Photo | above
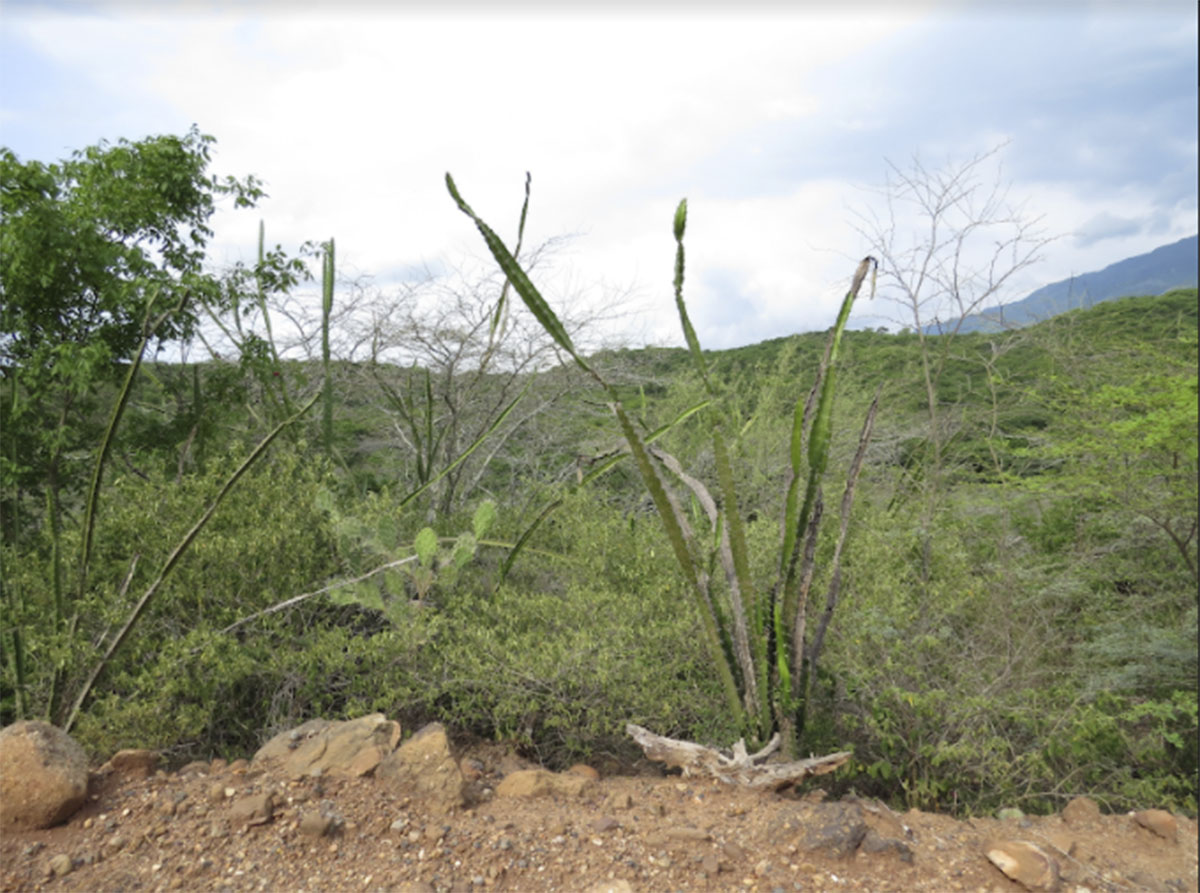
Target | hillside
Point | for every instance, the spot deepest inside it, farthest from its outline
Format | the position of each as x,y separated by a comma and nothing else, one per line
1013,624
1158,271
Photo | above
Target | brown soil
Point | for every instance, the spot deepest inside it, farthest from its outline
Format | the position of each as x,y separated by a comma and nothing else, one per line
177,832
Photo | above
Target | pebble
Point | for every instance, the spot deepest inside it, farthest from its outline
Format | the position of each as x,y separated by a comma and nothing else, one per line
59,866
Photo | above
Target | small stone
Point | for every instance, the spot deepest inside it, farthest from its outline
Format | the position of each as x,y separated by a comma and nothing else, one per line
874,842
1026,863
1010,814
710,864
314,824
688,834
584,770
614,886
734,852
605,823
60,865
1159,821
620,801
256,809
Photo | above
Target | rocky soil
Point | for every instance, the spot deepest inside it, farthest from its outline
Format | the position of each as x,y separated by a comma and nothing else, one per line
247,827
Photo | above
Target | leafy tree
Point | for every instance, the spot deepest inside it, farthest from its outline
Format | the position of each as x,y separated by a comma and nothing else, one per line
101,255
97,252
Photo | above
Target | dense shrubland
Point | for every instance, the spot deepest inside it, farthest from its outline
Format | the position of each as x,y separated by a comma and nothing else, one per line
1016,623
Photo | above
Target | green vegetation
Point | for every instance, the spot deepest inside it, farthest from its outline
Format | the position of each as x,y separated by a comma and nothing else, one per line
1015,617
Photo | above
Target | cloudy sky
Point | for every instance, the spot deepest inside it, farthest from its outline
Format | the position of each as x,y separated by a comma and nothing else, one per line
776,123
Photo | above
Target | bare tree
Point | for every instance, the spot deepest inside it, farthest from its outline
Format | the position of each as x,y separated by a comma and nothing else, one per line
449,361
950,243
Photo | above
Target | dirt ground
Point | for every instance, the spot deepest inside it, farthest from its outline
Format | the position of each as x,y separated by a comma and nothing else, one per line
184,831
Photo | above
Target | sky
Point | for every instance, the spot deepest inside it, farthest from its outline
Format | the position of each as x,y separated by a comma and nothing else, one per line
778,123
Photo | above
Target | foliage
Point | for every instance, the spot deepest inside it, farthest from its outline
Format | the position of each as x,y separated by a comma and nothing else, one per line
1027,636
756,635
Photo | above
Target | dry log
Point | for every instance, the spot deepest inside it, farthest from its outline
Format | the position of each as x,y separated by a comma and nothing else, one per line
732,767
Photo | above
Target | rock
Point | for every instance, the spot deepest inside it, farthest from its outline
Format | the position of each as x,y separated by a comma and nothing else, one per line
425,762
60,865
256,809
132,764
585,771
352,748
1148,882
541,783
1159,821
1010,814
835,827
616,886
1026,863
315,824
605,823
43,776
1081,812
874,842
620,801
687,833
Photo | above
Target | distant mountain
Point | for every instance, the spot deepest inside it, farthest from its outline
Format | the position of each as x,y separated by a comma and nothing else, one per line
1158,271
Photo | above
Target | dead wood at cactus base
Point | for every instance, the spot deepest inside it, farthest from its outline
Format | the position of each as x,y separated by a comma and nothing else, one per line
733,767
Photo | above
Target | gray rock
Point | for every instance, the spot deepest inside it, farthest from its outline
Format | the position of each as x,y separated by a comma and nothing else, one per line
316,824
874,842
43,776
837,828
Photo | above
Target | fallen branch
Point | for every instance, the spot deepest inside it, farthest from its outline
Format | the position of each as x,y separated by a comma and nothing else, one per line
736,767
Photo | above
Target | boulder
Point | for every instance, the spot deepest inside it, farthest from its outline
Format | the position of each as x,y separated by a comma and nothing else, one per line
425,765
1159,821
131,764
43,776
1026,863
542,782
835,828
321,747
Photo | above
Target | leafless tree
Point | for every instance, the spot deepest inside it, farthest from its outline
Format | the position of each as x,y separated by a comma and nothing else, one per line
950,243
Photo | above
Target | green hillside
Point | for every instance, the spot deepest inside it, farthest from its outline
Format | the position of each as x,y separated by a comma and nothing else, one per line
1016,618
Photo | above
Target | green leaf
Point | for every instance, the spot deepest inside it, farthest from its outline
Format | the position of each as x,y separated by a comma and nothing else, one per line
463,550
485,514
425,545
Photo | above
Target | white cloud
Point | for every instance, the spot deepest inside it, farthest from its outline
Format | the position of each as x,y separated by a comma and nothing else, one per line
765,120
